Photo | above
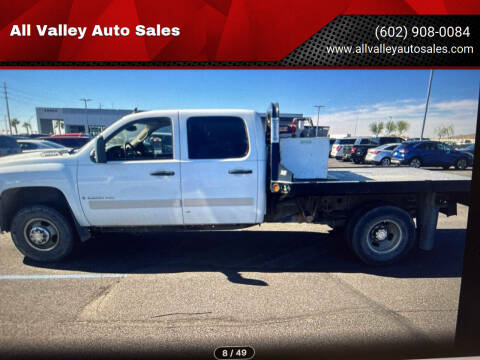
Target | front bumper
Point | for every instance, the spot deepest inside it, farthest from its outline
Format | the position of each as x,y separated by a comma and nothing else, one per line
395,161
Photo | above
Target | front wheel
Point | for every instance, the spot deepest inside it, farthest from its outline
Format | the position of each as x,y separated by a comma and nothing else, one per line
42,233
461,164
383,235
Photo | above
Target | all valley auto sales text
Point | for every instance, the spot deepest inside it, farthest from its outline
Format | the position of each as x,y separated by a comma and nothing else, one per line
79,32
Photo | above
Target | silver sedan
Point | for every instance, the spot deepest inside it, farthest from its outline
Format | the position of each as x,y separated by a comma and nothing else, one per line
380,155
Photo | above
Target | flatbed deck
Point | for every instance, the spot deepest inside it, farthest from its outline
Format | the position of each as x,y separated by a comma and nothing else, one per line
371,180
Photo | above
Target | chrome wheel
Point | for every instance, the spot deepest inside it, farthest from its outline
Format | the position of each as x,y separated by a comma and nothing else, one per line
462,164
385,162
41,234
384,237
416,163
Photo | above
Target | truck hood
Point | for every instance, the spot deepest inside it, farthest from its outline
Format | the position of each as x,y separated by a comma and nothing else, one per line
43,157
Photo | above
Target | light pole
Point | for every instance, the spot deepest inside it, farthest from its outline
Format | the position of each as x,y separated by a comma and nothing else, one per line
318,117
8,109
86,115
426,103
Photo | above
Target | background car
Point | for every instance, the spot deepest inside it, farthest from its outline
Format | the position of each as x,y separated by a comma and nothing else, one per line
71,140
332,141
338,147
359,149
8,146
380,155
470,148
430,153
33,145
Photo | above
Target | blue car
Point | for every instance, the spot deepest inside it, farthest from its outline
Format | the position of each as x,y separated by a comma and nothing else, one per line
430,153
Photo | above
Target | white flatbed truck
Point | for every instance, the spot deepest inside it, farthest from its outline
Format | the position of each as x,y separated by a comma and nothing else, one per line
212,169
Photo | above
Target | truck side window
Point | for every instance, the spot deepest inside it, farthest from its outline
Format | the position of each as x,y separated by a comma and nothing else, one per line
144,139
216,137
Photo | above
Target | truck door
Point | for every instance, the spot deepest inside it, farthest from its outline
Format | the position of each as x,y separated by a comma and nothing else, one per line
219,168
140,182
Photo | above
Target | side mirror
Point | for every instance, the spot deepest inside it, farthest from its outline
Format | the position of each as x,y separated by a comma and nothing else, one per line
100,154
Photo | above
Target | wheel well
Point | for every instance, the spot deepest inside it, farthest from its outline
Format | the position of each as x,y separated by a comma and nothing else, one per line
13,200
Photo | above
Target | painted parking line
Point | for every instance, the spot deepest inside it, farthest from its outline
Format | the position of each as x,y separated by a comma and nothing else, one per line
61,276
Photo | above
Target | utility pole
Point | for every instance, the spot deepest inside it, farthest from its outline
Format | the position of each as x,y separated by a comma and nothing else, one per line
426,103
318,117
86,114
8,109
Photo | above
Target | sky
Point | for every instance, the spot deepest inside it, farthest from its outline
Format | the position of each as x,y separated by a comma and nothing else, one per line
352,98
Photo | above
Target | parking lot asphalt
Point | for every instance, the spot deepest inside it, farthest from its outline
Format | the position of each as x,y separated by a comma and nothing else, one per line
284,288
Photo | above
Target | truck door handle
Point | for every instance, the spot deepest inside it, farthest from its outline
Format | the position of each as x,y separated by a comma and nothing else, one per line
162,173
240,171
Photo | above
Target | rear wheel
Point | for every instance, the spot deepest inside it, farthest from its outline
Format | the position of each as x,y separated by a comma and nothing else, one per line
385,161
42,233
415,163
383,235
461,164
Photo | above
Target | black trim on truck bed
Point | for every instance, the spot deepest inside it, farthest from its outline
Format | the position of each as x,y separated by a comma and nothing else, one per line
375,181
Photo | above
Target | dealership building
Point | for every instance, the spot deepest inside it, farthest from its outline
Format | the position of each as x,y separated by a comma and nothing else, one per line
93,121
76,120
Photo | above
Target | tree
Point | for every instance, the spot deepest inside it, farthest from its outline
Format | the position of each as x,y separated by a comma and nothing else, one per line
58,124
440,131
390,127
444,131
449,131
14,122
377,128
402,126
27,127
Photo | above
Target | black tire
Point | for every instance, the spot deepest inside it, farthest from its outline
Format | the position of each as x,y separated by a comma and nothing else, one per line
461,164
392,222
415,162
353,218
356,161
385,161
35,224
446,167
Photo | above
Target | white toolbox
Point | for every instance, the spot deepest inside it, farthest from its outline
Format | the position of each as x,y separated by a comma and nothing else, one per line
305,157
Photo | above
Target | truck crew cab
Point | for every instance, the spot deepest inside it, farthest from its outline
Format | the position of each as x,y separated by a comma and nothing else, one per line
218,169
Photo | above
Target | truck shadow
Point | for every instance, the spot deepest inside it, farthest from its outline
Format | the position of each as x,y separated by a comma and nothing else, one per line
236,252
